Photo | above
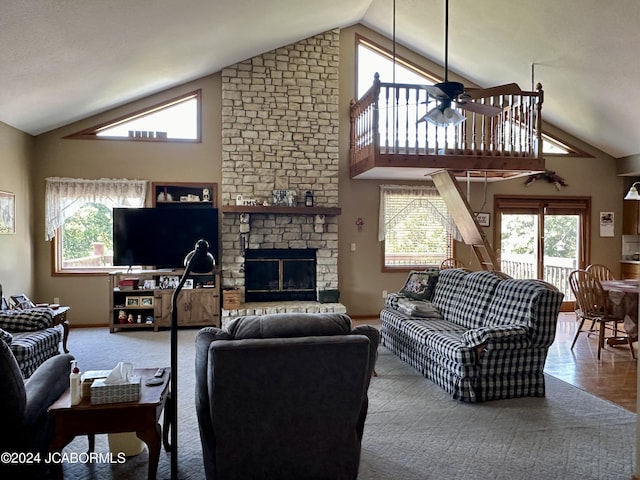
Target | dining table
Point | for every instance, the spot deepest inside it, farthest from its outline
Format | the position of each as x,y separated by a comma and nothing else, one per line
622,302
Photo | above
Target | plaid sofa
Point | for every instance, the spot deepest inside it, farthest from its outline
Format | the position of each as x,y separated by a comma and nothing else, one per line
31,337
482,338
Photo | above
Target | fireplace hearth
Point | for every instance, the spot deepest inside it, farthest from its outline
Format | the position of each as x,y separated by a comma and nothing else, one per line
280,274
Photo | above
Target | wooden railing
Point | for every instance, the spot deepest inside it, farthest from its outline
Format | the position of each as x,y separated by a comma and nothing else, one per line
387,121
554,274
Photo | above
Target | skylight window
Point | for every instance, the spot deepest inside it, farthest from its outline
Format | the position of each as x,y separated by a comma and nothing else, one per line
175,120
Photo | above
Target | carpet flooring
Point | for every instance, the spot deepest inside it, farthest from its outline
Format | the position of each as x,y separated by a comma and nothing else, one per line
413,430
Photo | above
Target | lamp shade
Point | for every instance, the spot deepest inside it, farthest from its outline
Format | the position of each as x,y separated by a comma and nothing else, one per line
633,194
444,116
200,258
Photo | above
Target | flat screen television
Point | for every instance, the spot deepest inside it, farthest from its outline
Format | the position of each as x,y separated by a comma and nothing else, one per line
161,237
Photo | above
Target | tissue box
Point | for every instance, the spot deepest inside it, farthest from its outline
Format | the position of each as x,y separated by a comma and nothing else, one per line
87,380
116,393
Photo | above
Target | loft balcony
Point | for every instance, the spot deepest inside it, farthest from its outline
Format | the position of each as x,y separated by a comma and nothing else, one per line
389,142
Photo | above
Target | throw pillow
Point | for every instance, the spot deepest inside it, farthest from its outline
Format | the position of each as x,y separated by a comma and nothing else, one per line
420,284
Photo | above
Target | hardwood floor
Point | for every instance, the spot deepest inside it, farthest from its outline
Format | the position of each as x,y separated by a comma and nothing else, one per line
613,377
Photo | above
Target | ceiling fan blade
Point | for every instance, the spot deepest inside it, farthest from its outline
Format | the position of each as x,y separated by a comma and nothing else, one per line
506,89
481,108
435,91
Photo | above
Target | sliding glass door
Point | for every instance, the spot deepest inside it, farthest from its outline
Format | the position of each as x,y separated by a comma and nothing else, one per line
543,238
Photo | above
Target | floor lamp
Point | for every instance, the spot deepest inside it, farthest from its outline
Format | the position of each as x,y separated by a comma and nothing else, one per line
198,260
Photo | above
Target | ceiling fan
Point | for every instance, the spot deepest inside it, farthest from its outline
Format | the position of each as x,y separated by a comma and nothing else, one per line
446,93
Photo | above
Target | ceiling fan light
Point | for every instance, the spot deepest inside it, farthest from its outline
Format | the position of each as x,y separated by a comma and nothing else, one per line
444,117
435,117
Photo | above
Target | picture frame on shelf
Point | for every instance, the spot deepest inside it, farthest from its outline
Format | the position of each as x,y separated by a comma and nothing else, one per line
188,284
149,285
168,281
22,302
285,198
132,301
146,301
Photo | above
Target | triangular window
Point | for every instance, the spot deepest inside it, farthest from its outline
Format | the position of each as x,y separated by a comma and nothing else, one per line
554,146
176,120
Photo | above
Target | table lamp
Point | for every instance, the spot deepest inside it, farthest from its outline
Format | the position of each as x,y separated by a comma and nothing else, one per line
198,260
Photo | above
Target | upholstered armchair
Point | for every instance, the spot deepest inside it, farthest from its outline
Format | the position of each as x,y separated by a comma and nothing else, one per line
283,396
27,426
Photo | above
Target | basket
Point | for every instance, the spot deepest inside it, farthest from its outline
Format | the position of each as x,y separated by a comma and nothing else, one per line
231,299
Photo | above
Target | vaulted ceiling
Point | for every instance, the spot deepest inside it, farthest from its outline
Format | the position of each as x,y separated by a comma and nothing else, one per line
63,60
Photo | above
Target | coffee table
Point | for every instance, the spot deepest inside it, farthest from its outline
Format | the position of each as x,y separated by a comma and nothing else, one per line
140,417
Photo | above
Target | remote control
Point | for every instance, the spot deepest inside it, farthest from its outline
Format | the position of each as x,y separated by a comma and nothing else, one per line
159,373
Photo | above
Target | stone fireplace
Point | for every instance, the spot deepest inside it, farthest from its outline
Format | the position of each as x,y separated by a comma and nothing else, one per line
280,131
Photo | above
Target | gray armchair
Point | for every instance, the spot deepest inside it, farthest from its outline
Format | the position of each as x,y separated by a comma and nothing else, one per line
27,426
283,396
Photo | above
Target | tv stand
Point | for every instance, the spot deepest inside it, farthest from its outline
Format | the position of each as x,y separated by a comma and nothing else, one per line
148,306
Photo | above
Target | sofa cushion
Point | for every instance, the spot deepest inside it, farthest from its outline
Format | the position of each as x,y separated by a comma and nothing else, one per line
448,290
28,320
420,285
477,291
532,304
443,338
6,336
287,325
31,349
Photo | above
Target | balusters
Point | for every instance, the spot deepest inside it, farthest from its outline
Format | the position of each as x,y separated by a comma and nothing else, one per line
386,120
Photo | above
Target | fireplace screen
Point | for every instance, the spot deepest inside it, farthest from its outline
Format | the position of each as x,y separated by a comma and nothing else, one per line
279,274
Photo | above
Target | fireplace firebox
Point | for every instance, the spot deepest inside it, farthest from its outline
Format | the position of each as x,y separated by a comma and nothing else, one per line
280,274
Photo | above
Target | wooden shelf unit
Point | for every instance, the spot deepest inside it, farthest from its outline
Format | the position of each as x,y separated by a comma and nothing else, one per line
174,192
196,306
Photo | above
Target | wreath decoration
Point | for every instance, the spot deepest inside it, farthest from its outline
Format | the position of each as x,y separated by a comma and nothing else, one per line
548,175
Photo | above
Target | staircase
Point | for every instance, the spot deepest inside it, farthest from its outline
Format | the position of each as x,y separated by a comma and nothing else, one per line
465,220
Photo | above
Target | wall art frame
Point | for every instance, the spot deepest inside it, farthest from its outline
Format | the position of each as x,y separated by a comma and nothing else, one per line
7,213
484,219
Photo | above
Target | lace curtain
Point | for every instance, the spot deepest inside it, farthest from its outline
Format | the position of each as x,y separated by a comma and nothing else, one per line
422,194
65,196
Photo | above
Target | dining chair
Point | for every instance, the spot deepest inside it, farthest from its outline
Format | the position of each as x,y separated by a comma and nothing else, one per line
601,272
591,305
451,263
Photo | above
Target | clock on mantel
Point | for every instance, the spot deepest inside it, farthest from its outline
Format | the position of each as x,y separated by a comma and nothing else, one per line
281,210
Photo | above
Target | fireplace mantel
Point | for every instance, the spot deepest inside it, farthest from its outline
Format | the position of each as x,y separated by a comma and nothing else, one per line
282,210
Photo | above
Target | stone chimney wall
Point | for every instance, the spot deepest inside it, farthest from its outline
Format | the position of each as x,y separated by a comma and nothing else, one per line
280,128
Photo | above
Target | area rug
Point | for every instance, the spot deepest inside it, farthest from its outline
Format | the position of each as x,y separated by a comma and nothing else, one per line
413,430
